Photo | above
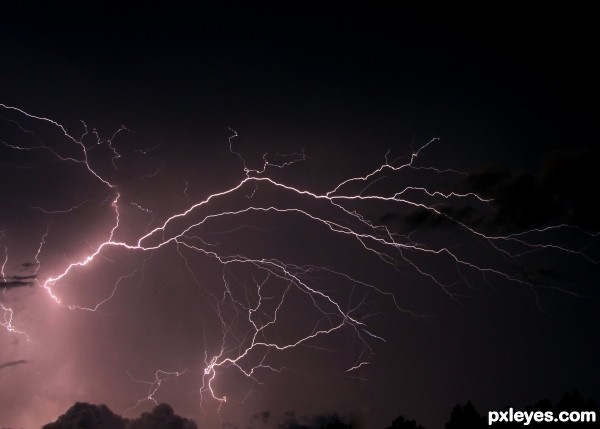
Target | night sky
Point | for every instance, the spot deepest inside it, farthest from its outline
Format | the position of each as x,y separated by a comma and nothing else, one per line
459,264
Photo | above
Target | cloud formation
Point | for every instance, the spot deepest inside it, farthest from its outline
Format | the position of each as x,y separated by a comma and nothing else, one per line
12,363
558,193
16,281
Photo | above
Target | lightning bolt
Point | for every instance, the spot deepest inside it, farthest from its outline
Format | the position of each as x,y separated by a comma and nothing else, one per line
2,273
6,320
160,377
259,307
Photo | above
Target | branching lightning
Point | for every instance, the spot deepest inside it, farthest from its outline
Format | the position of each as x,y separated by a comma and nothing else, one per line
333,211
160,377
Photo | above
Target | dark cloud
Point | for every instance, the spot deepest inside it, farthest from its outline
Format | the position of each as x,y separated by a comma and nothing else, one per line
12,363
559,193
261,417
541,275
30,277
17,281
9,284
90,416
26,265
448,216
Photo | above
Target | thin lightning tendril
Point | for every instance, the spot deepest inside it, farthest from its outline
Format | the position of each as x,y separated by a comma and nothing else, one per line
160,377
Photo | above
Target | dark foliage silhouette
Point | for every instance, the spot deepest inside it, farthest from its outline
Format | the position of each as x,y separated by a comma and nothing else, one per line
465,417
325,421
337,424
89,416
161,417
401,423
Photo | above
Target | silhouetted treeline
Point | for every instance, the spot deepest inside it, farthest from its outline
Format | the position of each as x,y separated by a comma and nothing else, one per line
88,416
467,417
401,423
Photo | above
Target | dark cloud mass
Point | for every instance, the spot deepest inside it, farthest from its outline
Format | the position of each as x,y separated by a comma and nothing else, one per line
12,363
261,417
27,265
560,193
10,283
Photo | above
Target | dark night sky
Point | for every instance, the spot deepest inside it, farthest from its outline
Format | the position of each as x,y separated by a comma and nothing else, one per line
510,94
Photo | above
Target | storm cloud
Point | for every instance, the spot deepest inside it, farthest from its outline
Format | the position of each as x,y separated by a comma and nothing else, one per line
558,193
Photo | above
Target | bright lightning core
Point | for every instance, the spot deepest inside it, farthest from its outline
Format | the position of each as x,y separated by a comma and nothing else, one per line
253,270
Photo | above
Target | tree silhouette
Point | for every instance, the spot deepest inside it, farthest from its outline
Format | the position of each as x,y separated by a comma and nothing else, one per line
89,416
465,417
337,424
573,401
401,423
